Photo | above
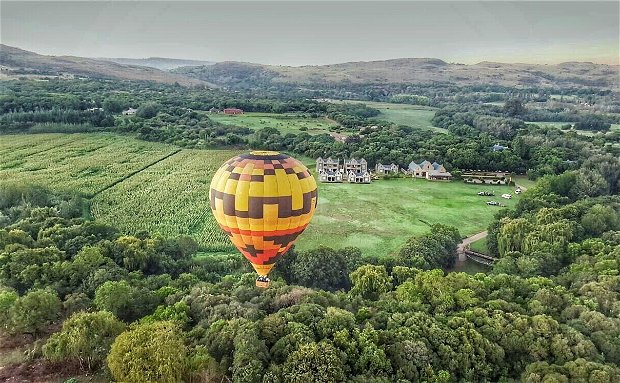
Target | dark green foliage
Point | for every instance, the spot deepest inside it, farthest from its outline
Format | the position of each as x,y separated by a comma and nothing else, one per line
436,249
314,362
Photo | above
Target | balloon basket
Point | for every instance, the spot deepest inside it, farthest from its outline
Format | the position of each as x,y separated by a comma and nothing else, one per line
262,282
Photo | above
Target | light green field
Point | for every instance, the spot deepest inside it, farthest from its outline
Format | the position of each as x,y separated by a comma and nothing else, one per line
285,123
378,218
524,182
479,246
415,116
138,185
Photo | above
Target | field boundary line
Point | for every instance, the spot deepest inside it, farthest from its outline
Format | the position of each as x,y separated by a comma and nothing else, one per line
48,149
129,175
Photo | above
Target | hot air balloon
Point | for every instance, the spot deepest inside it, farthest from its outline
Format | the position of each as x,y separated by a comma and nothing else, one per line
263,200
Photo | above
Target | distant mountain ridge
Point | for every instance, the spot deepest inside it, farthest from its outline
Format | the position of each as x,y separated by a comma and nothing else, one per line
25,62
162,63
414,71
376,73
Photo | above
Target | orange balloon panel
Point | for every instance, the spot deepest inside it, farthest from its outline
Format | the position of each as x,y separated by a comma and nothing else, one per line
263,200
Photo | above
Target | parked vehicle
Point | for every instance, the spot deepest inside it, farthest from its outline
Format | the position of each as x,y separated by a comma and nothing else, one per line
507,196
492,203
486,193
518,191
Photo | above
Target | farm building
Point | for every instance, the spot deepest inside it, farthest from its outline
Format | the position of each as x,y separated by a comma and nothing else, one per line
386,169
233,111
491,178
429,171
353,171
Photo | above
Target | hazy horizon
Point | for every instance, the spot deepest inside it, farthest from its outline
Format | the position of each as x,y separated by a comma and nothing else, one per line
318,33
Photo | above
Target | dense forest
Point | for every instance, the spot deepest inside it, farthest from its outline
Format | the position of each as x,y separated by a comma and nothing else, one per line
146,308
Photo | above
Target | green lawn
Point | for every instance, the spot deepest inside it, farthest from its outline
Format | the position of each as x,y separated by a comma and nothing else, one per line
523,181
479,246
285,123
415,116
380,217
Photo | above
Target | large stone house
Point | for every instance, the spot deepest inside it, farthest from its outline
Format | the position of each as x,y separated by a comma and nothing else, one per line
386,169
358,177
352,170
429,171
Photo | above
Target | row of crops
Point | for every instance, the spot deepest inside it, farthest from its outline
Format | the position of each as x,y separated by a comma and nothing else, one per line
85,163
170,198
134,185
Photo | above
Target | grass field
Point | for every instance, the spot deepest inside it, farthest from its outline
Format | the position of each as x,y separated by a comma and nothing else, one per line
378,218
479,246
415,116
136,185
285,123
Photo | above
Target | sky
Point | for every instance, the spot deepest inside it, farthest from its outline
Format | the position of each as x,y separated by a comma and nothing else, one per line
318,32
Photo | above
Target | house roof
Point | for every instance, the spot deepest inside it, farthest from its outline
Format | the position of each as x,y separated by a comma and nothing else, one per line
413,166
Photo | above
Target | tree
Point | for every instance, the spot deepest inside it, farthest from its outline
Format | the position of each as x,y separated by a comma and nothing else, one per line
148,110
153,352
115,297
85,337
599,219
35,311
370,281
7,300
514,107
323,268
314,363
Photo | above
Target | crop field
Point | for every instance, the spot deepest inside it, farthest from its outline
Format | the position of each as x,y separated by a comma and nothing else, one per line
415,116
86,163
137,185
170,198
285,123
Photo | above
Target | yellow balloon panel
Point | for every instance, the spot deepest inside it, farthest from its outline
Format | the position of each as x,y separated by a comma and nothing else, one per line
263,201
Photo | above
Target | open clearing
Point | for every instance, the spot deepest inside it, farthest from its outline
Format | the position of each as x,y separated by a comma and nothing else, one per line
285,123
378,218
415,116
137,185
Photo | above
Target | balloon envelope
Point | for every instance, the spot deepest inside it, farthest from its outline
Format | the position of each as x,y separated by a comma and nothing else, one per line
263,200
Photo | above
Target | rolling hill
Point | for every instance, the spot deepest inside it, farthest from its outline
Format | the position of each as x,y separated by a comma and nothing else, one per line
17,62
414,71
161,63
